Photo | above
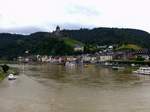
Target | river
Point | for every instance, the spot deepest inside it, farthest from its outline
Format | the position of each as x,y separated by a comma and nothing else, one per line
55,88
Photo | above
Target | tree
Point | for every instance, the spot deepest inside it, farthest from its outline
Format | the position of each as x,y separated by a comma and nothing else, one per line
5,68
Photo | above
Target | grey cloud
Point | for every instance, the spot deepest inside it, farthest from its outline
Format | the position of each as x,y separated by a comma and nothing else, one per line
88,11
76,26
69,26
23,30
51,27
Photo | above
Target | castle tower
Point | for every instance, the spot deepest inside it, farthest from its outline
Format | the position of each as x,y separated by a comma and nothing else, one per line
57,31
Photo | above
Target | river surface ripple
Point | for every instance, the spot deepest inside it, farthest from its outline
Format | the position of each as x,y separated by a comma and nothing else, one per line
55,88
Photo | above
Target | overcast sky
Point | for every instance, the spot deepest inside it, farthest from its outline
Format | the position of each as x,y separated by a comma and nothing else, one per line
26,16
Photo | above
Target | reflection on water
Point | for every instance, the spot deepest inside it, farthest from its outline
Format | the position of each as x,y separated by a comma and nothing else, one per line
91,75
55,88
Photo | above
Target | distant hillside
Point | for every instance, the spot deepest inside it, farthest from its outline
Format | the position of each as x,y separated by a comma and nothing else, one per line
14,45
43,43
108,36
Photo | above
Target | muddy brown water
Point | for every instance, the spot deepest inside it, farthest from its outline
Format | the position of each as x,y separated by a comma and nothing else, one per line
55,88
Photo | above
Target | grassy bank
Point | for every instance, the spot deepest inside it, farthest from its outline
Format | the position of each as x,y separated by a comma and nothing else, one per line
6,62
2,75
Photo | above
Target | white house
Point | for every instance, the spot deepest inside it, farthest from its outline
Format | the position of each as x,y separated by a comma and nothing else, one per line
105,58
86,58
78,48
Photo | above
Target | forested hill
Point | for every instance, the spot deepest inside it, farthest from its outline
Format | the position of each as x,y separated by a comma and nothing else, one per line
110,36
13,45
43,43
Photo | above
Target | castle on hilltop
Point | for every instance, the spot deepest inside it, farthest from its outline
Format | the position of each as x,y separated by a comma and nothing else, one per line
57,32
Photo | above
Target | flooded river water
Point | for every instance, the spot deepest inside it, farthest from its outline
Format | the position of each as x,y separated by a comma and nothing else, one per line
55,88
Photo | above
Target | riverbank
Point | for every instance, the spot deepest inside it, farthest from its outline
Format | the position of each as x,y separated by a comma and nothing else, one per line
7,62
12,70
2,76
129,62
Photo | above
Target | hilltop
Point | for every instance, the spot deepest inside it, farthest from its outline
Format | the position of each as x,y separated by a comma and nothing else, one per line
107,36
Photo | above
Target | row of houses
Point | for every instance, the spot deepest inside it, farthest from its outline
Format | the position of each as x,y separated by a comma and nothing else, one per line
132,55
87,58
92,58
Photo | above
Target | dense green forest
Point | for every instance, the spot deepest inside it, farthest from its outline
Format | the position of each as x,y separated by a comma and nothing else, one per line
107,36
44,43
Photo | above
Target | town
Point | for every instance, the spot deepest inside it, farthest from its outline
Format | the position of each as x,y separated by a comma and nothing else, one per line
108,54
